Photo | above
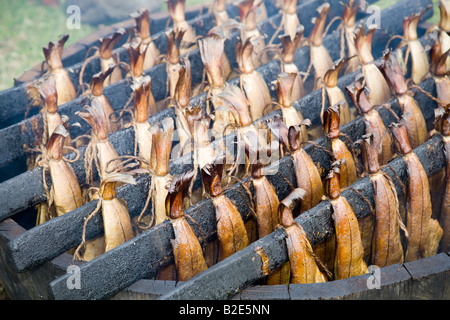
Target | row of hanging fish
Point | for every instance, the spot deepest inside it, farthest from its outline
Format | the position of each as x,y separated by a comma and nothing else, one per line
384,239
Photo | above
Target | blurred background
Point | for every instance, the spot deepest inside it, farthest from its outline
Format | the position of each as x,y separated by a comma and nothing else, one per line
28,25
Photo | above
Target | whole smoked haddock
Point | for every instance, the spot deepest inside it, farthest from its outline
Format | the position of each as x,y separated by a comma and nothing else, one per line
375,127
348,173
319,55
386,242
349,251
287,95
108,57
289,46
187,251
349,27
424,233
142,31
65,193
64,86
379,91
303,264
440,71
419,58
251,81
412,116
307,174
334,93
116,219
265,198
96,93
231,230
162,139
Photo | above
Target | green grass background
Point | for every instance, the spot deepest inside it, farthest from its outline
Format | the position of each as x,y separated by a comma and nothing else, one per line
26,26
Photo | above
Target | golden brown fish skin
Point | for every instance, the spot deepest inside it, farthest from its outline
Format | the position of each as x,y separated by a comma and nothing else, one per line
228,218
286,92
418,208
335,94
116,222
66,190
439,71
412,116
188,253
143,135
47,90
349,250
307,175
386,246
381,138
142,30
116,219
162,137
413,119
348,168
108,58
386,243
308,179
349,19
231,231
289,45
267,202
67,193
424,233
419,58
348,172
303,265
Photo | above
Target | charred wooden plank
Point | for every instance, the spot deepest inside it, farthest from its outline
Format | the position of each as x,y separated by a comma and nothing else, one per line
430,277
